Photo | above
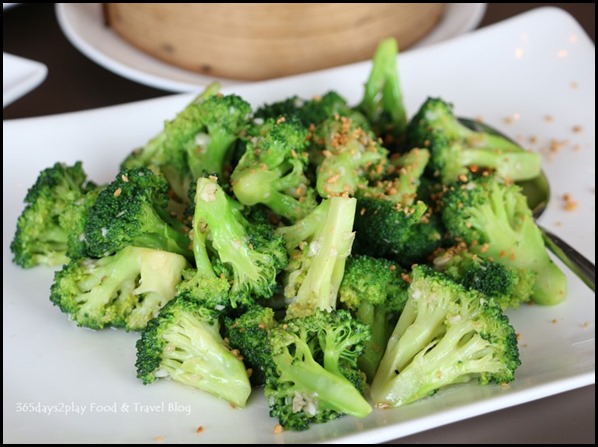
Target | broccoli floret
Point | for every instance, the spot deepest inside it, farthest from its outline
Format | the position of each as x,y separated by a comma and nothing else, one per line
222,120
382,102
445,335
207,283
455,148
391,221
249,333
132,210
406,235
205,287
352,157
495,222
272,170
167,152
507,286
40,238
311,112
250,255
453,159
317,262
183,343
126,289
312,375
74,219
375,293
197,141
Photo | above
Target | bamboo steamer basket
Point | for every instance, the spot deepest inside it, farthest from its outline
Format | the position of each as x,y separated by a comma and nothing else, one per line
267,40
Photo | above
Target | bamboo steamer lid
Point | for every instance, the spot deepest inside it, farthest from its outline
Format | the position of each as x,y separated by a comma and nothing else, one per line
267,40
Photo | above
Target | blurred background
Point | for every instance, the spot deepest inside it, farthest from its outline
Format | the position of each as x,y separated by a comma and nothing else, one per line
32,31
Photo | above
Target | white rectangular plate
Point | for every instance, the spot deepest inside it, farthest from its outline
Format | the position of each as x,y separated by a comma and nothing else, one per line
532,76
20,76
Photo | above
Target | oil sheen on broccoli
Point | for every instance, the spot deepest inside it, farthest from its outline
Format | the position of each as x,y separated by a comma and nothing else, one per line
445,335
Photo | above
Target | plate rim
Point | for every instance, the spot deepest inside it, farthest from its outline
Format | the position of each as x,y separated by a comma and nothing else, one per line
186,80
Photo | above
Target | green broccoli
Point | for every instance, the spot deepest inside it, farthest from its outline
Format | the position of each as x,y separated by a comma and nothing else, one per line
74,220
40,238
249,255
272,170
352,157
312,112
382,102
132,210
312,374
445,335
222,120
319,245
126,289
507,286
197,141
375,292
456,149
313,115
297,234
249,333
207,283
391,221
183,343
495,222
166,153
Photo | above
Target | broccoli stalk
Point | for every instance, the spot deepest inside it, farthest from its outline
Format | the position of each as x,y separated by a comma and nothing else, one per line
305,229
184,344
494,220
251,257
317,262
382,101
445,335
272,170
375,293
126,289
455,147
41,237
202,284
301,389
